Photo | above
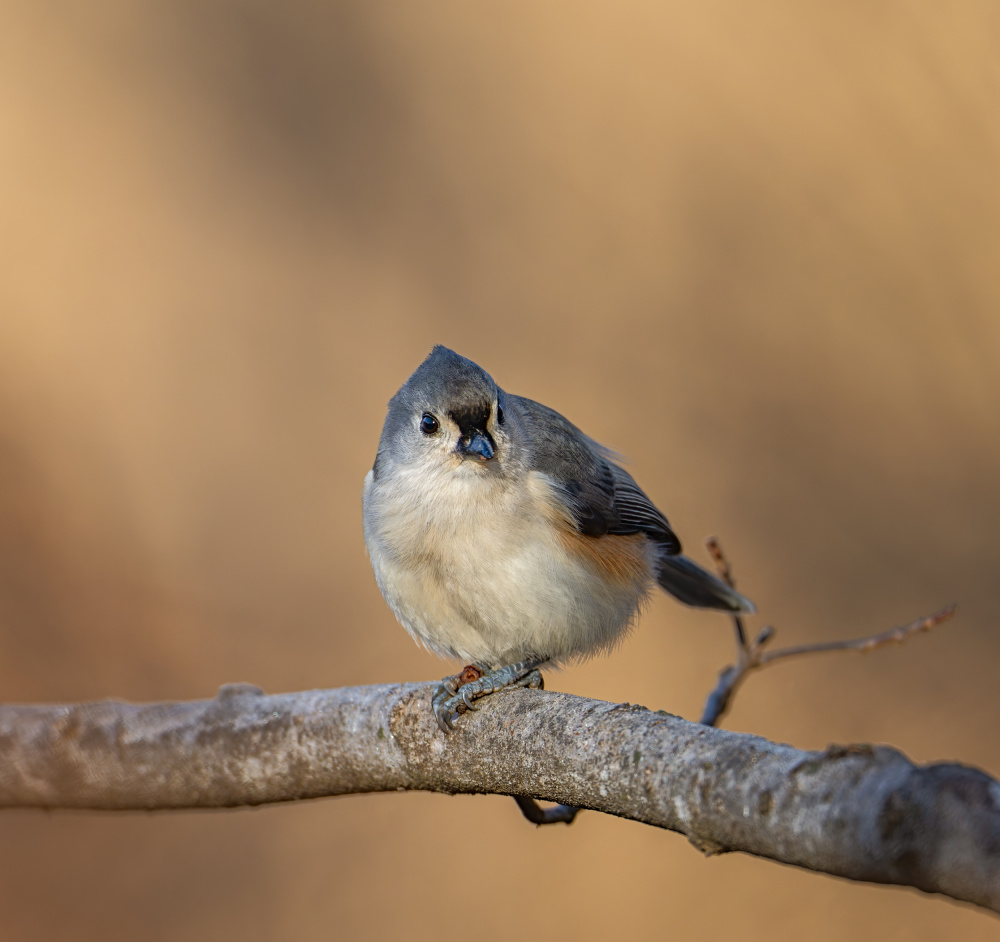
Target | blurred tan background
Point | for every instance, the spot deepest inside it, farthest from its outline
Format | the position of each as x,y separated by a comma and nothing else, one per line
755,247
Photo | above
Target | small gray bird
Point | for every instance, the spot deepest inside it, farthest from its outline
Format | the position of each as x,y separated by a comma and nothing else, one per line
505,538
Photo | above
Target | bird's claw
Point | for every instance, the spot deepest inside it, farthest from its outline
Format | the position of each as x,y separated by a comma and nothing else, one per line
467,700
442,703
453,697
533,681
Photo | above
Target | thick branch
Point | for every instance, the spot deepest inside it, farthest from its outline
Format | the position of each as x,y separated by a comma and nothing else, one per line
862,812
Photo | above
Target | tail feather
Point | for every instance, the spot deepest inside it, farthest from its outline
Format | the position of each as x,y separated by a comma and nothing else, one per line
686,581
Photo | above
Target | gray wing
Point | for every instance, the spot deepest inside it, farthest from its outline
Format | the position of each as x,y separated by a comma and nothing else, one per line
602,497
638,514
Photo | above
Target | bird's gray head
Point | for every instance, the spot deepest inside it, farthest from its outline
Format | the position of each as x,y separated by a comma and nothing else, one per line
448,414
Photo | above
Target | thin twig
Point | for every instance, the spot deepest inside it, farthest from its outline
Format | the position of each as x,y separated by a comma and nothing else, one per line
726,575
751,656
864,645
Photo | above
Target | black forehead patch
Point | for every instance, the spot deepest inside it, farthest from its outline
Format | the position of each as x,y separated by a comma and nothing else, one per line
471,416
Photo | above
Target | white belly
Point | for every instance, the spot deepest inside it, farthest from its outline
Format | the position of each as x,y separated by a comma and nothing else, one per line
475,570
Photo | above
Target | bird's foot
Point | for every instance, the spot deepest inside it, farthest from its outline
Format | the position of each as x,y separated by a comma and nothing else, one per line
456,694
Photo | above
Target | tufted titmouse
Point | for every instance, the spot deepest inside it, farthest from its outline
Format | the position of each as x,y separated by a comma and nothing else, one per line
504,537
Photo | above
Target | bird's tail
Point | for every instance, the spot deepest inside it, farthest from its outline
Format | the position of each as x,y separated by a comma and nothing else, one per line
686,581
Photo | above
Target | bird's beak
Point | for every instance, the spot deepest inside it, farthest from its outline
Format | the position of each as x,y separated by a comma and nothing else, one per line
477,445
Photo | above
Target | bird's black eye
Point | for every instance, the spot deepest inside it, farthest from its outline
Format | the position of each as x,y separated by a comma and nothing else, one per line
428,424
499,415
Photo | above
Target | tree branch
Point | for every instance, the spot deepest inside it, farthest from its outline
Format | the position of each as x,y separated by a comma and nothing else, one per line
861,812
751,656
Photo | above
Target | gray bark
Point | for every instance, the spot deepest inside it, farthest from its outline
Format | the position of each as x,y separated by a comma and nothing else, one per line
861,812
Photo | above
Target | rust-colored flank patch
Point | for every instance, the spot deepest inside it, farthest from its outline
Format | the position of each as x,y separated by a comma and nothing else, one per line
621,559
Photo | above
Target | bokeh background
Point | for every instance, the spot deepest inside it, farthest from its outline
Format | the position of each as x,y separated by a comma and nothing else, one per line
755,247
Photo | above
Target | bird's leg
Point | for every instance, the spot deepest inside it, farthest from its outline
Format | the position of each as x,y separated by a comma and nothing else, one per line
456,694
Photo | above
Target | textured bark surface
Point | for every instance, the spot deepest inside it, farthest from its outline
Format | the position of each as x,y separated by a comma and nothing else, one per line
862,812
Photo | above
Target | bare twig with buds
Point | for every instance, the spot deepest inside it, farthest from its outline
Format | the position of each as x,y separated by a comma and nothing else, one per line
751,655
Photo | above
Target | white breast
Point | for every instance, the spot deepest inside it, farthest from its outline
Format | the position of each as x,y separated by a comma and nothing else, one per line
473,566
